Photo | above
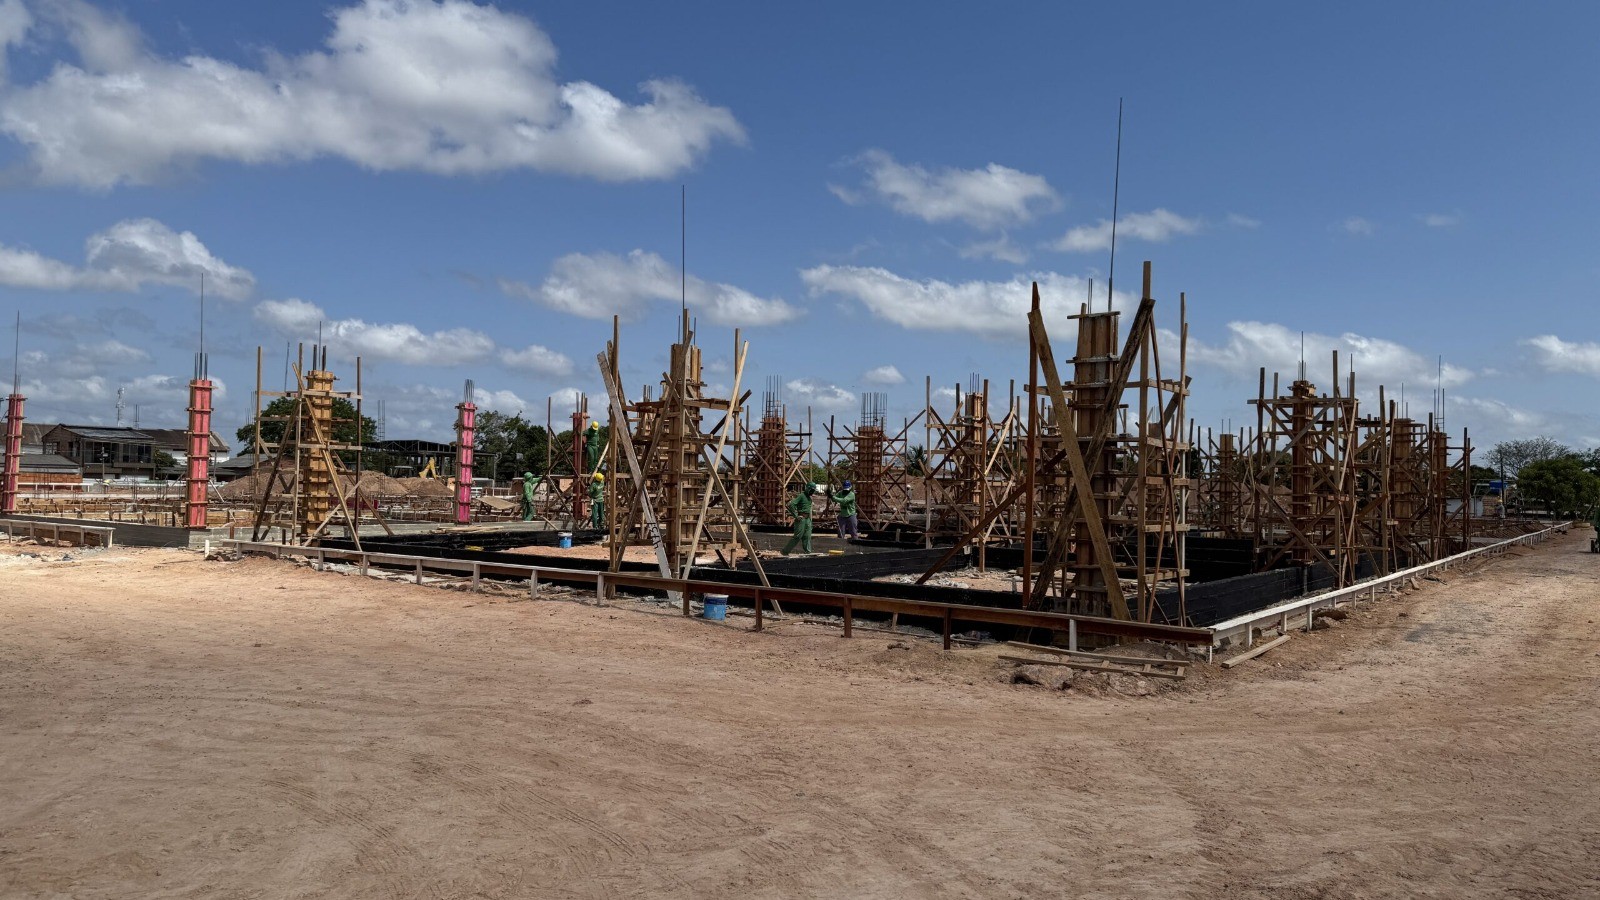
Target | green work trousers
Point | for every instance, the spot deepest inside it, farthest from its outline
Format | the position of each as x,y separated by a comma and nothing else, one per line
597,514
802,536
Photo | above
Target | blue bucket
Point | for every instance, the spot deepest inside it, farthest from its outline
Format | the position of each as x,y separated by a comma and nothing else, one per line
716,607
566,540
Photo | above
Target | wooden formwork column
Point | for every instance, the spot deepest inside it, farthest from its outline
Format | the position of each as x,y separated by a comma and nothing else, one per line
316,475
466,436
1093,413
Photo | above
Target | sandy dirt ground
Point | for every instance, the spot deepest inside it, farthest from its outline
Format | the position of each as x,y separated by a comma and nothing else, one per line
172,727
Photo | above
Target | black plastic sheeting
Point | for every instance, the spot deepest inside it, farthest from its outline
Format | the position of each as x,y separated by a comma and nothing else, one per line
1211,602
817,579
1208,559
1206,602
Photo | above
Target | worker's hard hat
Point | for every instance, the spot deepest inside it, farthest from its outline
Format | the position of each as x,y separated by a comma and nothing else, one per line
593,426
599,477
847,484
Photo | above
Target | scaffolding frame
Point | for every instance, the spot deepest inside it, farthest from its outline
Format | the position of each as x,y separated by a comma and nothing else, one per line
874,459
969,464
1111,497
678,489
305,503
774,454
1304,498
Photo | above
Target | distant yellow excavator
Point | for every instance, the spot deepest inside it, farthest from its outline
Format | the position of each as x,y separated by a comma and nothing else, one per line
431,470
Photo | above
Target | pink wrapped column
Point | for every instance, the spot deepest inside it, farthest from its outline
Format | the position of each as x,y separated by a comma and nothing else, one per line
466,434
199,477
13,468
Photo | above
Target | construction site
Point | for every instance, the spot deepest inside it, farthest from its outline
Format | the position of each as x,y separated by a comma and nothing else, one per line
1063,599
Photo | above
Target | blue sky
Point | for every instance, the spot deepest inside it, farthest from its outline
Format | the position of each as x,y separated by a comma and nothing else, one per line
469,192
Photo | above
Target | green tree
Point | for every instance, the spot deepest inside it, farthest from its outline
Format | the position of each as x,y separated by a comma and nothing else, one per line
915,460
495,444
815,474
1562,485
1481,476
276,412
1511,457
511,445
1591,461
163,460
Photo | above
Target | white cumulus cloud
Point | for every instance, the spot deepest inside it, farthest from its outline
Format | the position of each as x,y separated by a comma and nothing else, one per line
599,285
128,256
1002,249
983,308
885,375
819,394
1553,354
398,341
1252,345
1358,226
986,198
1439,220
1156,226
442,86
535,358
500,401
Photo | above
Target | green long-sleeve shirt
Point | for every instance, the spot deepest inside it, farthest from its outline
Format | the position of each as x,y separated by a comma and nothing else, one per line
846,501
800,506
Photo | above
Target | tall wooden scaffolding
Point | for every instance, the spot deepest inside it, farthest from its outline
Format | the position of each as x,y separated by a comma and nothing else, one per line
1126,514
307,488
1303,501
1109,493
676,486
1371,530
773,455
874,458
969,465
1222,495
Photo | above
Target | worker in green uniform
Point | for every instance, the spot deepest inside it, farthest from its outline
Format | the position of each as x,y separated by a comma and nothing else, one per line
1594,545
530,483
846,498
800,508
593,442
597,501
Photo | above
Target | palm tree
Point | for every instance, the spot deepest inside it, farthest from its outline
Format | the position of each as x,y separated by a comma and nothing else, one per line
915,460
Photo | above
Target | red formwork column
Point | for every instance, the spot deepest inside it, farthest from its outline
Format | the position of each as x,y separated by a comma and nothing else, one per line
199,479
13,467
466,434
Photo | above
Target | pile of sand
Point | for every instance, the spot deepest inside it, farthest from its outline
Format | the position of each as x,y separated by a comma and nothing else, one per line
249,487
377,484
425,488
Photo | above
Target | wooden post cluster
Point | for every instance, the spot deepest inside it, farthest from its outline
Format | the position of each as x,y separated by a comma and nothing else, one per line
308,487
1330,488
874,458
970,464
773,455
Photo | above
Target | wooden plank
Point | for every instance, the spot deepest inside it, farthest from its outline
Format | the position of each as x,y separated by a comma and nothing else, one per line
1085,654
619,415
1253,653
1061,412
1084,665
